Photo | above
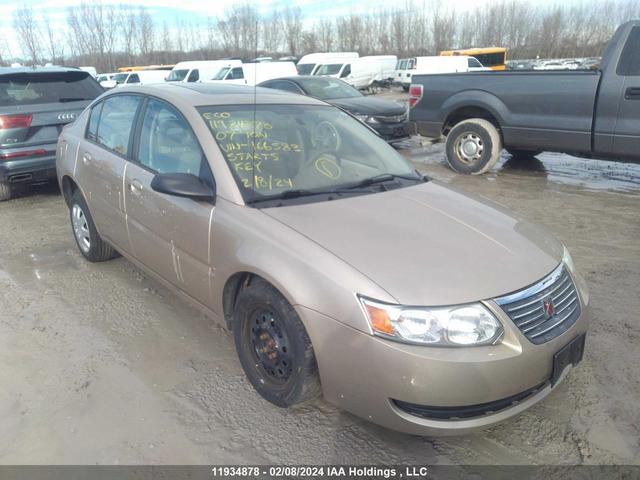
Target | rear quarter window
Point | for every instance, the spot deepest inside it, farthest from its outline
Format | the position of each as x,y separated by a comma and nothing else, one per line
35,88
92,128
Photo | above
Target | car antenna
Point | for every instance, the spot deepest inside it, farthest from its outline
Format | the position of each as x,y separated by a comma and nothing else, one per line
255,91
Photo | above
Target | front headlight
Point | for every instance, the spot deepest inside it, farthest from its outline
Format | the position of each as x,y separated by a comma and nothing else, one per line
463,325
568,261
366,118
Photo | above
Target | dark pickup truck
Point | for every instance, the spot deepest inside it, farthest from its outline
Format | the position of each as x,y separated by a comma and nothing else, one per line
592,113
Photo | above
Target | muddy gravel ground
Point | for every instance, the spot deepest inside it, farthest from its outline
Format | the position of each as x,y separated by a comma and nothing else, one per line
100,364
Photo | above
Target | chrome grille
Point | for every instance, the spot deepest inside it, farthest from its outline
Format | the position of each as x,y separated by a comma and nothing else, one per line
546,309
391,118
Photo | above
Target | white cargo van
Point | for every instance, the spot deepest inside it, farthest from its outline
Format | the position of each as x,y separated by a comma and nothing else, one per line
361,72
308,64
439,64
139,77
199,70
254,73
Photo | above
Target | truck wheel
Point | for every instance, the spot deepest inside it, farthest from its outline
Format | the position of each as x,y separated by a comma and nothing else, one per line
91,245
516,153
473,146
273,346
5,191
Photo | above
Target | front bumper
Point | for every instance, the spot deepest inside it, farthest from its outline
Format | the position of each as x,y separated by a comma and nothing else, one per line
373,378
392,132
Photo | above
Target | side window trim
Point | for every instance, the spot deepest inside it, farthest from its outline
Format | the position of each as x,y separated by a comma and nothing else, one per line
86,128
297,89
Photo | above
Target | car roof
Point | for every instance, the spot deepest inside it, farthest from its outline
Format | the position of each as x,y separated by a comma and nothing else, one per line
13,70
204,94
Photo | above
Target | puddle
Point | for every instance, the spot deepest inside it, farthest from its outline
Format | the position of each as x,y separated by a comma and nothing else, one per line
38,266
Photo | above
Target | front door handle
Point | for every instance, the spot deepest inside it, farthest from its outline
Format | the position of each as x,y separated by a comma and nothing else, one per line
86,158
632,93
136,187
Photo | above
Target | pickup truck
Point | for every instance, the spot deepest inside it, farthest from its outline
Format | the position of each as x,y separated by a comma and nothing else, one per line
592,113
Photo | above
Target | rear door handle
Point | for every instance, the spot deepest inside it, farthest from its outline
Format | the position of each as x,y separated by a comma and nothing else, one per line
86,158
136,187
632,93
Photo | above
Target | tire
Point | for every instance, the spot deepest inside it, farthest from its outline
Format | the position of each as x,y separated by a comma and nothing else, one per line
273,346
89,242
515,153
5,191
474,133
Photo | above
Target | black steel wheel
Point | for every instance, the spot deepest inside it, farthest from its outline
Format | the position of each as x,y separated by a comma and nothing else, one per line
273,346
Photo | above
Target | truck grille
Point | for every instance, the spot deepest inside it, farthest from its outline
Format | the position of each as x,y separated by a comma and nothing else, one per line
546,309
391,118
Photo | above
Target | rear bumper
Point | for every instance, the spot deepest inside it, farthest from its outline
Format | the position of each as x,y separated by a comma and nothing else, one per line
28,170
429,129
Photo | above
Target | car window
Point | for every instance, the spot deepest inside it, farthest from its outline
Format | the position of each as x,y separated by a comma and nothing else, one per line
329,69
305,68
285,86
274,148
629,63
346,72
133,78
92,128
177,75
194,76
35,88
116,122
473,63
167,143
325,88
237,73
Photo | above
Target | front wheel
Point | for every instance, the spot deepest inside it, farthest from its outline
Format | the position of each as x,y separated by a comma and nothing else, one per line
473,146
273,346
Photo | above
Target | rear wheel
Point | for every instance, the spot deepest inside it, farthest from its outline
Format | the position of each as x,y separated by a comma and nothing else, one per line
5,191
473,146
91,245
273,346
524,154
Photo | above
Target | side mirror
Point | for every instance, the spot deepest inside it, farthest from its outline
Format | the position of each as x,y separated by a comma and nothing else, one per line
183,185
107,84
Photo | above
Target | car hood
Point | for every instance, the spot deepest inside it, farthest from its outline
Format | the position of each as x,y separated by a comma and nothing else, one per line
428,244
369,106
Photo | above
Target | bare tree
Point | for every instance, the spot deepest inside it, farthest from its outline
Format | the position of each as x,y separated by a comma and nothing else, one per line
292,20
28,30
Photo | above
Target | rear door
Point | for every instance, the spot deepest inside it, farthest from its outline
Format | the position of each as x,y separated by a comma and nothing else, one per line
35,106
102,159
169,234
626,140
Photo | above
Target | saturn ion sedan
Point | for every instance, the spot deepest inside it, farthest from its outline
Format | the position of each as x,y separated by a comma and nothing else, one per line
339,268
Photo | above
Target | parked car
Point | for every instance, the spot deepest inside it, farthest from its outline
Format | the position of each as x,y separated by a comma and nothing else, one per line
140,77
199,70
439,64
35,103
361,72
103,77
254,73
592,113
337,266
389,119
309,63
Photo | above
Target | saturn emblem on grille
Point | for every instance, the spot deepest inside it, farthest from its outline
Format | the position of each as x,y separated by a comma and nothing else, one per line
549,308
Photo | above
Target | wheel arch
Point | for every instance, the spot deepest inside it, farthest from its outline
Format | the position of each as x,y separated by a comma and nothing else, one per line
474,104
68,186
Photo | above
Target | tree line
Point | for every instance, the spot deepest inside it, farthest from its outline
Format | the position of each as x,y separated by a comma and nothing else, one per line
108,36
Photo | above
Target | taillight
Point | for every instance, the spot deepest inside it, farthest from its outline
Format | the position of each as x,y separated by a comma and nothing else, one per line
15,121
23,153
415,95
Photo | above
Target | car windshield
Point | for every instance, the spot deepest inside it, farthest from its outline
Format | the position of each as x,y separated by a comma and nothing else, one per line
177,75
276,149
305,69
47,87
330,69
221,74
120,77
329,88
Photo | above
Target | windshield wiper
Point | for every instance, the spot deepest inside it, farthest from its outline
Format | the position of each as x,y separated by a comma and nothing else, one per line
72,99
288,194
386,177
